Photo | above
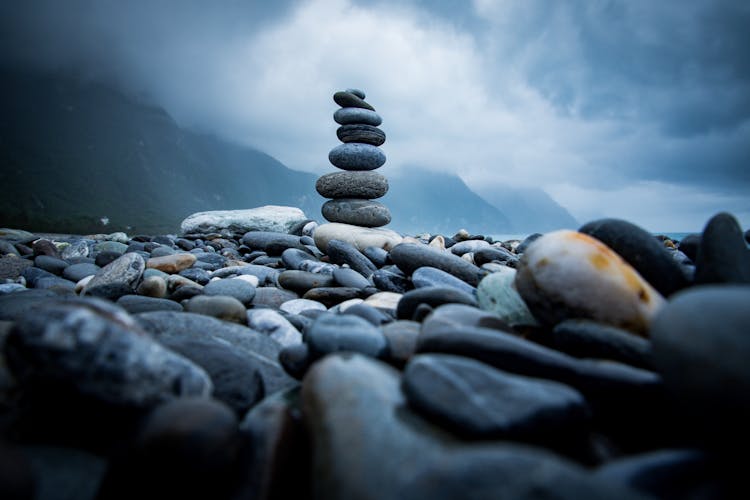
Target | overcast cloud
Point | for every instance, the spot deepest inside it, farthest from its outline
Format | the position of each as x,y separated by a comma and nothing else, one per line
631,109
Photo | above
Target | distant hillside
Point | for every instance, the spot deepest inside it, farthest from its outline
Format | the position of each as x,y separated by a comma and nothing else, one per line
531,209
422,200
75,153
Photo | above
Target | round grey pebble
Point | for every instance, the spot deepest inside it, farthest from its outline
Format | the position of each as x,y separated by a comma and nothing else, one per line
356,156
348,116
239,289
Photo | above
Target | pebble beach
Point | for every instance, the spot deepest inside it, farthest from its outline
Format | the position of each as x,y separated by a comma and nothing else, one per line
259,354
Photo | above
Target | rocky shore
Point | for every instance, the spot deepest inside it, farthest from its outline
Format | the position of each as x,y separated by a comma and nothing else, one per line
259,355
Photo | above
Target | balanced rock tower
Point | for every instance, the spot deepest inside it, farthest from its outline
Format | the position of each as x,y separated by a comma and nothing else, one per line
353,190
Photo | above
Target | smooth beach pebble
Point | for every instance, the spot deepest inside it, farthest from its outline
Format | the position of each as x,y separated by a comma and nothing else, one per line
566,274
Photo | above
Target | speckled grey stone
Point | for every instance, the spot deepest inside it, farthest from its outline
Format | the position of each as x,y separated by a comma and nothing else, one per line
348,116
356,156
365,213
353,184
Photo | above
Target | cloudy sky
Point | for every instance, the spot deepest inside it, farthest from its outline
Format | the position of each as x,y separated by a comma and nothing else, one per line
631,109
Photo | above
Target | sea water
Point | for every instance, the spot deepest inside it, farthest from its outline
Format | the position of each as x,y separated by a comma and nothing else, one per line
672,235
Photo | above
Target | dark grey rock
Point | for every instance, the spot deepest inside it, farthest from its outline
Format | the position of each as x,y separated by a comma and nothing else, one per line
14,306
669,473
45,247
302,281
118,278
341,252
359,93
104,258
236,377
701,347
76,272
640,249
272,297
12,267
293,258
56,283
464,315
296,360
188,448
402,340
33,274
221,307
605,381
411,256
331,296
353,116
433,296
65,473
476,400
589,339
260,351
139,303
349,277
271,243
356,415
430,276
521,248
364,213
377,255
355,184
495,254
723,256
361,133
351,100
239,289
280,448
7,248
54,265
335,333
96,350
200,276
689,245
391,279
369,313
356,156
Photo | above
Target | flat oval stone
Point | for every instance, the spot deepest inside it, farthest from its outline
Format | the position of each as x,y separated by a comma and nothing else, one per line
239,289
342,252
588,339
351,100
353,184
302,281
361,133
76,272
348,116
330,296
333,333
433,296
270,242
411,256
476,400
431,276
274,325
360,237
349,277
172,263
222,307
138,303
641,250
566,274
364,213
356,156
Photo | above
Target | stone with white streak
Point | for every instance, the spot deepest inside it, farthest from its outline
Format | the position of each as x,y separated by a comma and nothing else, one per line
566,274
360,237
272,218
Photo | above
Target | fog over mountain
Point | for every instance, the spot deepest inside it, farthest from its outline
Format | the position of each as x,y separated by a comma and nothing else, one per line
637,110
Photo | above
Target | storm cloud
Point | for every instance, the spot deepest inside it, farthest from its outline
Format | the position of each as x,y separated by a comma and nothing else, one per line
631,109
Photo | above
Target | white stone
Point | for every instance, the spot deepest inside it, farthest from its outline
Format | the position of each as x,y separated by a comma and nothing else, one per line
253,280
274,325
81,285
273,218
360,237
296,306
348,303
438,242
566,274
384,300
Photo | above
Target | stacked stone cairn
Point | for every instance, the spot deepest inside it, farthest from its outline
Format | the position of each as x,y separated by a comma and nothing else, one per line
353,190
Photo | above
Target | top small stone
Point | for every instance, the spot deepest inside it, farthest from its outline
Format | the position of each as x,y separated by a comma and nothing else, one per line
349,100
356,92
